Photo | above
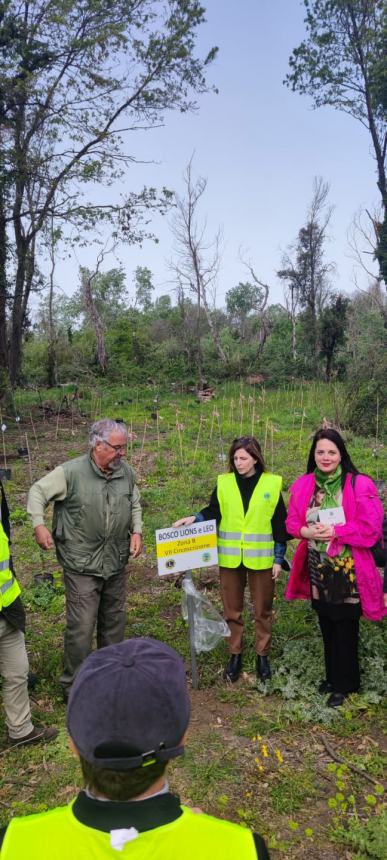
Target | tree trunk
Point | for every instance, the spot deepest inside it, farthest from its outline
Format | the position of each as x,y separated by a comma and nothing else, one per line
52,368
95,319
4,378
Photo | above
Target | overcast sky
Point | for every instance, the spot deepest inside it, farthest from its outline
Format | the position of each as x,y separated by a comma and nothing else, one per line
259,145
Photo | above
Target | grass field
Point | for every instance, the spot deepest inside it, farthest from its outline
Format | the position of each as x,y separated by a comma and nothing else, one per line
275,759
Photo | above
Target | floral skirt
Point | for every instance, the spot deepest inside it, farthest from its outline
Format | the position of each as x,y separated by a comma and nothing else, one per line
333,580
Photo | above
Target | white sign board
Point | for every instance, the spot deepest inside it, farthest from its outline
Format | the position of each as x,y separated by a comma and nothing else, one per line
186,547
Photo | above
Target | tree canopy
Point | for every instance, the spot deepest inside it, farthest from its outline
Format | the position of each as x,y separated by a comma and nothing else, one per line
342,63
75,79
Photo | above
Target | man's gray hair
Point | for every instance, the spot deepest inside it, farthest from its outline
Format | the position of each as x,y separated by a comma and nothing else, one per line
102,429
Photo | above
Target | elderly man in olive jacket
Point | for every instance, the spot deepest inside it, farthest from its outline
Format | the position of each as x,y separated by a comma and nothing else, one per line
96,524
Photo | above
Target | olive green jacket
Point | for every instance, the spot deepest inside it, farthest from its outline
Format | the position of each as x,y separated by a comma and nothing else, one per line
94,514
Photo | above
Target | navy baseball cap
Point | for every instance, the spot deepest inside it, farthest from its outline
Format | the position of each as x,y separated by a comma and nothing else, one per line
129,705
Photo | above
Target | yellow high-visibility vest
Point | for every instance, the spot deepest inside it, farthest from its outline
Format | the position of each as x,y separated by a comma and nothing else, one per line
58,835
9,586
247,538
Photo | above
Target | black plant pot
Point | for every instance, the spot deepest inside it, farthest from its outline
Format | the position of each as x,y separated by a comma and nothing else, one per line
43,579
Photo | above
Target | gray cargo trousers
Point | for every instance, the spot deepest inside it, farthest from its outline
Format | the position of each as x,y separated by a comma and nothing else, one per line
91,601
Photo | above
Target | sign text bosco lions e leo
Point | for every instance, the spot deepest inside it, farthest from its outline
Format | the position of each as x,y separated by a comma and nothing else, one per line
180,549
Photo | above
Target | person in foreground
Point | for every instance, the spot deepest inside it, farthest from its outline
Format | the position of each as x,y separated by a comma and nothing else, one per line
250,512
96,523
13,654
337,513
127,716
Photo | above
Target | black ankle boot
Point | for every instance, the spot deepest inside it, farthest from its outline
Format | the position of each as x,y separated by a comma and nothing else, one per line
325,686
336,700
263,668
233,668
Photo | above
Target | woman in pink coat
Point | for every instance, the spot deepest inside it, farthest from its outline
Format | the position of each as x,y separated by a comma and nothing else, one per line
337,514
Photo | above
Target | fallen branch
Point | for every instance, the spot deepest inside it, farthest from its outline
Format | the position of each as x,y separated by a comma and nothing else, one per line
337,757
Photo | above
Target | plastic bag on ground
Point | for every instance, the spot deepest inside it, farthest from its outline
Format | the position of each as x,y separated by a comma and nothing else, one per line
209,626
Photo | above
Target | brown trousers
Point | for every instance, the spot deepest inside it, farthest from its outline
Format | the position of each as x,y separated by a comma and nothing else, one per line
232,589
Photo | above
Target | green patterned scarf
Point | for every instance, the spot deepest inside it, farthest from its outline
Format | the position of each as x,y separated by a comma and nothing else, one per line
331,484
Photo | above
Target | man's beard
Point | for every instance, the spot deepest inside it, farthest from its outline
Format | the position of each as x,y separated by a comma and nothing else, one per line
115,464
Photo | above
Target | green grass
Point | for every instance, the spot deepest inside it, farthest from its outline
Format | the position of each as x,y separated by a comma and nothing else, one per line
220,772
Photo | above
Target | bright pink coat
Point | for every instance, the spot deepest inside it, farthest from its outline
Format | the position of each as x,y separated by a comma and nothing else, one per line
363,528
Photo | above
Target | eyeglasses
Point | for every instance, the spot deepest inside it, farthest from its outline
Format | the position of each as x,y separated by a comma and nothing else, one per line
116,448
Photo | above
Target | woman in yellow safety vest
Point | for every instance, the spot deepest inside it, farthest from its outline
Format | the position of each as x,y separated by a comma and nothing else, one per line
250,512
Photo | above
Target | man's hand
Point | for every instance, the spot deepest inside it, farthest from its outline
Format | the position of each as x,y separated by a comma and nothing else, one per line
43,537
135,544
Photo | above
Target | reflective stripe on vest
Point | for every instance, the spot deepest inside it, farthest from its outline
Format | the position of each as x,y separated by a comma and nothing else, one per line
238,538
59,835
9,586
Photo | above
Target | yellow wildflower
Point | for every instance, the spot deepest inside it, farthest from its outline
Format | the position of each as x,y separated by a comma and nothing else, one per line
279,756
264,751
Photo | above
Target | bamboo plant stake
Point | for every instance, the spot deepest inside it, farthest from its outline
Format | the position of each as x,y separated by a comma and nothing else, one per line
3,429
266,430
34,431
179,427
241,399
29,458
301,428
158,429
197,438
221,438
212,421
252,420
57,423
17,419
231,413
143,443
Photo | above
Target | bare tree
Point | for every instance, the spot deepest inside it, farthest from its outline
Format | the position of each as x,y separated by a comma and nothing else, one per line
87,279
307,273
291,295
197,261
260,305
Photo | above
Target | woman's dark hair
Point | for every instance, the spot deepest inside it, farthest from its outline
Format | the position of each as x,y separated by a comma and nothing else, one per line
252,446
333,436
